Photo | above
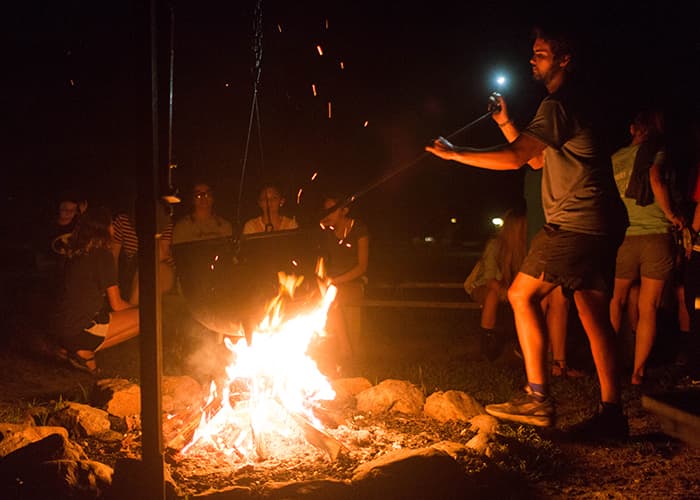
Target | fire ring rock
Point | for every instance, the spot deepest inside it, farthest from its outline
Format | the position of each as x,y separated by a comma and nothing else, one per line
391,396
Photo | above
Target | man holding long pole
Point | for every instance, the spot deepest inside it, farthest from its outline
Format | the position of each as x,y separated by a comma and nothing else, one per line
576,249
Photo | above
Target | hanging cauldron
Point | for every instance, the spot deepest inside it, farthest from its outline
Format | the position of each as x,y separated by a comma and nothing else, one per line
227,282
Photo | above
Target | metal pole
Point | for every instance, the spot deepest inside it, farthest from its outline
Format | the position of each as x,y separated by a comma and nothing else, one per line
153,486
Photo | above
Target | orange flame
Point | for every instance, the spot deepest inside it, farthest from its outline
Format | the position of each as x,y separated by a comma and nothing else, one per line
268,382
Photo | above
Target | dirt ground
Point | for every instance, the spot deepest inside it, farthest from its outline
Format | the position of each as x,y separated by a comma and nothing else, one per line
437,350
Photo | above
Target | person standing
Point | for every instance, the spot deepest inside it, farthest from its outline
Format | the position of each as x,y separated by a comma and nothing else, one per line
576,249
647,253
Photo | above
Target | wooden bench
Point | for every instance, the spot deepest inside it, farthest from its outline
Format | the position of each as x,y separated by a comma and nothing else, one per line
403,302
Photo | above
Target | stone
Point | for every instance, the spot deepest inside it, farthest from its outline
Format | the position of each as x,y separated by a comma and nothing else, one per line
391,396
454,450
484,424
81,420
452,405
420,473
347,388
15,436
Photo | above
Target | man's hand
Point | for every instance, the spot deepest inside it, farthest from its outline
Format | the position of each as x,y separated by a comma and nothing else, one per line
442,148
501,116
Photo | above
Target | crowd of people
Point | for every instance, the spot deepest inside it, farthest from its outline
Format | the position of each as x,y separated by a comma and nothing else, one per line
91,257
599,231
608,227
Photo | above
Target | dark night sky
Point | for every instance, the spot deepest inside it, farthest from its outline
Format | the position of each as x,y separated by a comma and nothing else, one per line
76,91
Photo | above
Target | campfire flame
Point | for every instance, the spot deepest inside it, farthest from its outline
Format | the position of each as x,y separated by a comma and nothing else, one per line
272,386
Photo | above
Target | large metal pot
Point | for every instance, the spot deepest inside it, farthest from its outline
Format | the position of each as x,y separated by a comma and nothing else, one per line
227,282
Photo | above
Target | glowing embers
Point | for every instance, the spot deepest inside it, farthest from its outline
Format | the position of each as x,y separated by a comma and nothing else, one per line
265,407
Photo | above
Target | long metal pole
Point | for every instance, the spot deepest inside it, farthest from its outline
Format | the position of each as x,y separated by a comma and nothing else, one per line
149,303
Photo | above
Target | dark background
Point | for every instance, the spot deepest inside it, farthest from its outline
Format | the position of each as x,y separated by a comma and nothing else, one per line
76,99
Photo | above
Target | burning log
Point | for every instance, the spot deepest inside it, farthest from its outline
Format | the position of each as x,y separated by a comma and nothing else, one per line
179,431
321,440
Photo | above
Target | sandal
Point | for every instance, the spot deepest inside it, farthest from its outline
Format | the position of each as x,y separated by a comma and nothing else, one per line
81,363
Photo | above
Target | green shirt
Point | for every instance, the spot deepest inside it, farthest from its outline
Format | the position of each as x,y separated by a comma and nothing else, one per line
649,219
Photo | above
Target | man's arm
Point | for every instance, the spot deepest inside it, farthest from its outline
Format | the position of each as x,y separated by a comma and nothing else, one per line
506,157
510,130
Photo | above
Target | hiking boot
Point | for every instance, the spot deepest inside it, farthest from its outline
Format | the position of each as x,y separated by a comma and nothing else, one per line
525,409
606,425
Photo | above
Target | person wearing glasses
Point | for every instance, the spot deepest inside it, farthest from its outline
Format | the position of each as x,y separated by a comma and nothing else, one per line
202,223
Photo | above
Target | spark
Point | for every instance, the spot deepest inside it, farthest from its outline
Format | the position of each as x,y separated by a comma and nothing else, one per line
295,263
72,83
227,85
319,49
313,88
326,23
366,123
299,195
279,28
342,65
212,267
313,177
330,113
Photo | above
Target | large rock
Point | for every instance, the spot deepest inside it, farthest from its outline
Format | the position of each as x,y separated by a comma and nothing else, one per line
81,420
422,473
391,396
123,398
15,436
347,388
52,467
317,489
452,405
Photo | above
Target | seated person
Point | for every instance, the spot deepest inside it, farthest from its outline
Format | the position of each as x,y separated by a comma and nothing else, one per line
488,282
202,223
125,246
91,314
270,201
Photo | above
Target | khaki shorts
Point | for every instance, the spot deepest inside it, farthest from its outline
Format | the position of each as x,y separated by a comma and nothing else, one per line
647,255
576,261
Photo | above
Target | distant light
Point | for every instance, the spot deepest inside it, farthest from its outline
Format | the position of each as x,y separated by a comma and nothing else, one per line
428,239
497,221
453,220
501,80
227,85
319,49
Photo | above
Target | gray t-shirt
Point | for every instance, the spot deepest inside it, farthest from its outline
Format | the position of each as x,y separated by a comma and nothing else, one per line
578,189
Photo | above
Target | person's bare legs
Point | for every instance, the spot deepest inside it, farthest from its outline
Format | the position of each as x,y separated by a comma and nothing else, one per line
525,296
650,292
618,302
489,310
123,325
594,311
557,317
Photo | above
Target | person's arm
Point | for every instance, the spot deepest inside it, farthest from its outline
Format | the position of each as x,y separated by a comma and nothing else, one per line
362,262
505,124
115,299
510,131
661,195
507,157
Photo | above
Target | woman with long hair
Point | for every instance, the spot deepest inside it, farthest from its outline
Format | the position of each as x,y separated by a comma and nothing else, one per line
91,313
488,282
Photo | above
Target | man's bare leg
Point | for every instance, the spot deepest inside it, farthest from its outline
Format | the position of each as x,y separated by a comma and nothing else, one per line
594,311
525,296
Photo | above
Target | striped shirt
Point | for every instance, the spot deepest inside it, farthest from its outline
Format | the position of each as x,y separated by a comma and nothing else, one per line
125,234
